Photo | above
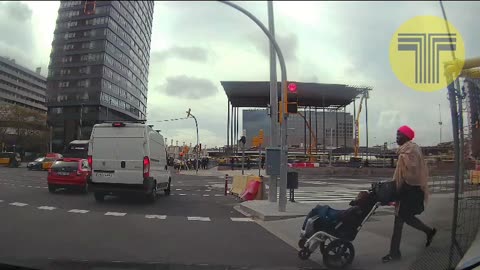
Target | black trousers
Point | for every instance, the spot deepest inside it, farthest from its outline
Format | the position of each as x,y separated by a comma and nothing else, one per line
412,221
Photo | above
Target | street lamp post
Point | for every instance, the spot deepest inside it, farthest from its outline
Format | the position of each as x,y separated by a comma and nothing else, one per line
282,202
196,126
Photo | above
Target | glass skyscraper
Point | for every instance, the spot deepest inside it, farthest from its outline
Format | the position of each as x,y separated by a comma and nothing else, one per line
98,66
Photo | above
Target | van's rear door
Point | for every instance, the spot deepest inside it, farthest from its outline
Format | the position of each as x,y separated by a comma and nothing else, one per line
118,155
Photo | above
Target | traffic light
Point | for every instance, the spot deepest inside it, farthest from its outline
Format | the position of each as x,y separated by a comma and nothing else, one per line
292,99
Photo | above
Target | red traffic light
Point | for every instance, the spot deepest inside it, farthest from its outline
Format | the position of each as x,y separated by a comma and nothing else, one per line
292,87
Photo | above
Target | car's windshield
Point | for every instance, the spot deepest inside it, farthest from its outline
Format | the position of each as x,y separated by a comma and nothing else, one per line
117,149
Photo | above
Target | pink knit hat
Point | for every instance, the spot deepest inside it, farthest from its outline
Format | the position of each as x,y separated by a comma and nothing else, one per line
407,131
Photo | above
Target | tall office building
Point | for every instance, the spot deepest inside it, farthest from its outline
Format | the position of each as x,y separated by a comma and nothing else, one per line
338,128
21,86
98,66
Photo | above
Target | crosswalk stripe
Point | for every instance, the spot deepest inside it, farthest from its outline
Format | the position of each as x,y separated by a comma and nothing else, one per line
156,216
115,214
78,211
182,194
198,218
242,219
46,207
18,204
206,195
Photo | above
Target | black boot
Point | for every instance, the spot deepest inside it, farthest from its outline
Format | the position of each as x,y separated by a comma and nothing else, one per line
391,257
430,237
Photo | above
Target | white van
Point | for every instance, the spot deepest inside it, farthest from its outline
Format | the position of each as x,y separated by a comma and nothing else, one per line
127,157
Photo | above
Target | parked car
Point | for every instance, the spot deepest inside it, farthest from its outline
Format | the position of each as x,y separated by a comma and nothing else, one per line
36,164
69,173
128,158
10,159
50,158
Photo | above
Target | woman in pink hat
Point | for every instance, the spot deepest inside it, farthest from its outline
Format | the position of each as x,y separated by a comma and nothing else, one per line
411,177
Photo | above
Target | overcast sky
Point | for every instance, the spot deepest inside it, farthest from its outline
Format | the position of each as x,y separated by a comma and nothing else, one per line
195,45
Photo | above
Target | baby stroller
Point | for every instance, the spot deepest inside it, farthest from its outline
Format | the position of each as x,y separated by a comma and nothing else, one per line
334,236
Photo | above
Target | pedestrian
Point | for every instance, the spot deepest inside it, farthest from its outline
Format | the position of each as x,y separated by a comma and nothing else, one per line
263,162
248,163
411,178
232,162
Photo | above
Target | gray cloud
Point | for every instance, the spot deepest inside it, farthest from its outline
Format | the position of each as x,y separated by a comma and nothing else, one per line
196,54
17,34
288,44
188,87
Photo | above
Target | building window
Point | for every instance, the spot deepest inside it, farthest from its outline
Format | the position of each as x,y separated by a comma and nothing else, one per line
67,47
64,71
83,83
67,59
69,35
84,70
88,45
63,84
72,24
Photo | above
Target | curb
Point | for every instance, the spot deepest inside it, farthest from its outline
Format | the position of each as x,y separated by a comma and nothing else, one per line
257,215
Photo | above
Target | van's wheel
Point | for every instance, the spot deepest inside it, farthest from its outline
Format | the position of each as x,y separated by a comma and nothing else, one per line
168,189
99,196
51,188
152,196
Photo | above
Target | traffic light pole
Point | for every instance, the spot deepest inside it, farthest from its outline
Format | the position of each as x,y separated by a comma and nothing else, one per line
282,202
272,191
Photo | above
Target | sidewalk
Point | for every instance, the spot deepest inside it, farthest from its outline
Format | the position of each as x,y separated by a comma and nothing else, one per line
216,173
373,241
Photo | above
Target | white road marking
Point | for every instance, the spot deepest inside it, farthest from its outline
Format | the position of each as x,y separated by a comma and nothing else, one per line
182,194
116,214
18,204
218,195
38,187
30,186
1,200
241,219
206,195
47,207
198,218
156,216
178,189
79,211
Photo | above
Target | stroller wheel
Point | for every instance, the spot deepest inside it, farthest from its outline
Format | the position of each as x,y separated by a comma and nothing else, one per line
324,244
338,254
301,242
304,254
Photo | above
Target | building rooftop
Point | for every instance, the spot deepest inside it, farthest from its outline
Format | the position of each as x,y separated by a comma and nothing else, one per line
257,93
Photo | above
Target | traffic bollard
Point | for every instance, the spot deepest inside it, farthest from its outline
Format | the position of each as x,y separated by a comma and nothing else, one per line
226,184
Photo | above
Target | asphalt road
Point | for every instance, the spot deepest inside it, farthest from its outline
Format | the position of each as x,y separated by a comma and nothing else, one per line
195,227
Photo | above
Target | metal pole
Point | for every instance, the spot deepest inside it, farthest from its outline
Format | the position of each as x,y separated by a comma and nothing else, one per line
283,142
198,141
305,134
272,191
366,123
228,124
81,121
345,128
336,127
243,158
316,131
51,138
323,116
310,123
236,129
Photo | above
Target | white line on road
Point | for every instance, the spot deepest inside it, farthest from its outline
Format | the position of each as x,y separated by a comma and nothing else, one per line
79,211
218,195
116,214
206,195
30,186
47,207
241,219
178,189
182,194
198,218
156,216
18,204
1,200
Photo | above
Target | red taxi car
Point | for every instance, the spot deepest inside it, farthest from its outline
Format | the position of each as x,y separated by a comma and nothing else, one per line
69,173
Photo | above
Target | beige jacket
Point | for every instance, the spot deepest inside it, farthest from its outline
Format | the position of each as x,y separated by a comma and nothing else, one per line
411,167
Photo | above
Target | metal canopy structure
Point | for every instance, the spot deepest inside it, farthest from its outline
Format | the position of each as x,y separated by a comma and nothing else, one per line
311,96
257,94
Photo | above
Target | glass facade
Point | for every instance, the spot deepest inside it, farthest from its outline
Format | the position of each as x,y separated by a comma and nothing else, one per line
335,127
98,65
